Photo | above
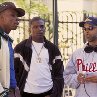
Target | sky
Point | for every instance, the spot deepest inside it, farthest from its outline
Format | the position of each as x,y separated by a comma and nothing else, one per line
77,5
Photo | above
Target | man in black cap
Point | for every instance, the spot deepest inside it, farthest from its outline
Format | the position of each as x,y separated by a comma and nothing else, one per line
8,21
81,70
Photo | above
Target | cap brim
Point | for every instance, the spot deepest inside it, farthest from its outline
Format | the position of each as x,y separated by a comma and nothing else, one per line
20,12
81,24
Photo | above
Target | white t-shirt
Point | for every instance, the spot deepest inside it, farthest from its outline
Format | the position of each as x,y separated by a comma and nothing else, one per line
4,65
39,77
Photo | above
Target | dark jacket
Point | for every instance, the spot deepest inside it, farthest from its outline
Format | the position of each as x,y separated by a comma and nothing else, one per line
23,54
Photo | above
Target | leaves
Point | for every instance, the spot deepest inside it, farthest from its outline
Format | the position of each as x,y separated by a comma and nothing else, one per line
32,6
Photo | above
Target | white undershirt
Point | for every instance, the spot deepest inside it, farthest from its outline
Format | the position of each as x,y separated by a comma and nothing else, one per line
39,77
4,64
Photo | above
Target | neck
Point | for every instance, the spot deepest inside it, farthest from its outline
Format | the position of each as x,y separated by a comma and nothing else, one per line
93,43
39,40
4,29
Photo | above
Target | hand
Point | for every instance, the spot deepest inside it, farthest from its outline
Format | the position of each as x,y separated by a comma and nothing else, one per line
81,78
92,79
17,92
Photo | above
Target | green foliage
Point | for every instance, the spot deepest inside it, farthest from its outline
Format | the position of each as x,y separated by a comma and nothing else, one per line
3,1
32,6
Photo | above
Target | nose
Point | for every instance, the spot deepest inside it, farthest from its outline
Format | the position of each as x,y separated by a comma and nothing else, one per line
39,28
86,32
17,20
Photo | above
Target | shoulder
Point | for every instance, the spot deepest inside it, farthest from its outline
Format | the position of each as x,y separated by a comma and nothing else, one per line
78,53
20,45
51,45
80,50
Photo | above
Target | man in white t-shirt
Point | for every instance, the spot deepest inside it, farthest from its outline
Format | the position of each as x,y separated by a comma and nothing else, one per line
38,64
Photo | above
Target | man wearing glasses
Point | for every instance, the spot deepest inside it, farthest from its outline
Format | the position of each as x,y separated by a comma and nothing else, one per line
81,70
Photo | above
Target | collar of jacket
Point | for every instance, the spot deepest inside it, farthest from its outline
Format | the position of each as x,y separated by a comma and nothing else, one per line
5,36
29,41
47,44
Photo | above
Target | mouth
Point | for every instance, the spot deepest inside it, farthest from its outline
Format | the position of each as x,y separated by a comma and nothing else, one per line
87,35
40,34
16,24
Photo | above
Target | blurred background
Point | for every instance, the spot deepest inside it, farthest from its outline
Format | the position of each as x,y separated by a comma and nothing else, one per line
62,24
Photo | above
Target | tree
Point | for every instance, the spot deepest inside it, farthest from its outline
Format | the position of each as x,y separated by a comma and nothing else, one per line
31,7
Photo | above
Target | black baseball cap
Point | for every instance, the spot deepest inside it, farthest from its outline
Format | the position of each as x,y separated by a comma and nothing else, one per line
7,5
90,20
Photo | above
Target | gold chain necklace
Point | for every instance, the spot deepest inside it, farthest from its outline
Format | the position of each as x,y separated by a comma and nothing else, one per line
38,59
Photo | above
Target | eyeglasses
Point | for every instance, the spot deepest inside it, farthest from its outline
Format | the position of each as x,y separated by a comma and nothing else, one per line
90,28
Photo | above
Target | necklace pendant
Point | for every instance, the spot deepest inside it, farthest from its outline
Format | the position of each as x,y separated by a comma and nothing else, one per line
38,60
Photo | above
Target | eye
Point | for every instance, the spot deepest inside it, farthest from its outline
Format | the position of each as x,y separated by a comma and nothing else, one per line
13,15
38,26
90,28
35,27
42,26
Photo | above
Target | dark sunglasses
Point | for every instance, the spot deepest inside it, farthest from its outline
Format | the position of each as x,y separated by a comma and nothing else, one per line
90,28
